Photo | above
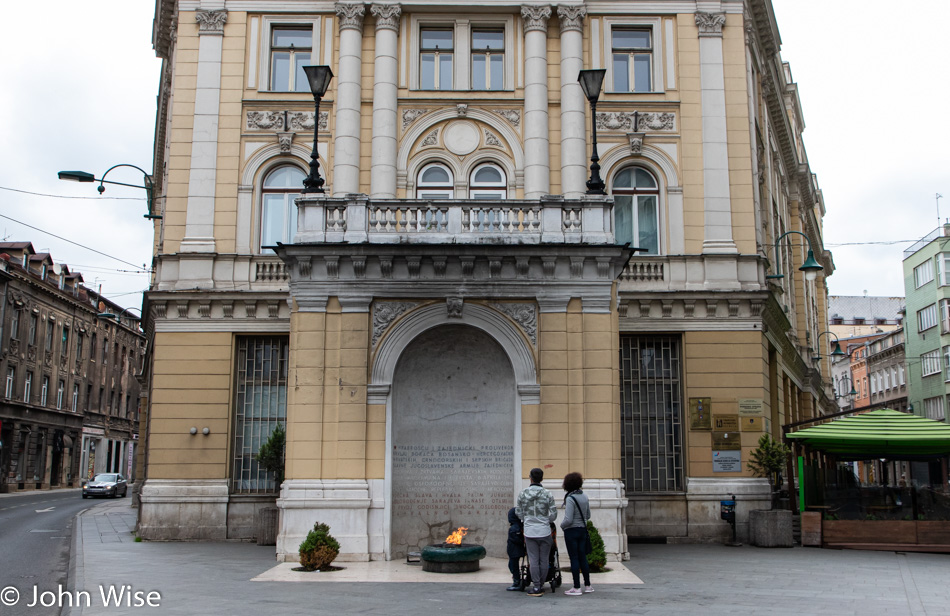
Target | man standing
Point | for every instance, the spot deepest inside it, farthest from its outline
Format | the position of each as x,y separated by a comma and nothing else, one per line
537,511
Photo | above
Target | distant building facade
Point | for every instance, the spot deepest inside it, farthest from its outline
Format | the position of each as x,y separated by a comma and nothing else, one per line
927,331
70,399
456,309
858,315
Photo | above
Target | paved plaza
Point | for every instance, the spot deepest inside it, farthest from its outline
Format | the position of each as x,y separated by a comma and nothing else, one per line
242,578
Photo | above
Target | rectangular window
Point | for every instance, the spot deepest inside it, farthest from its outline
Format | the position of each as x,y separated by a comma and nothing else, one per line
111,408
945,316
260,404
927,317
900,374
64,346
435,58
75,403
933,408
894,377
88,396
92,348
79,341
60,391
49,334
105,351
15,325
44,391
11,382
290,48
632,57
28,387
488,59
102,398
33,323
930,363
651,407
923,273
943,269
873,383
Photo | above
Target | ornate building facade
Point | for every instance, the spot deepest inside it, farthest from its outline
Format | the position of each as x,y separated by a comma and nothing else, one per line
456,309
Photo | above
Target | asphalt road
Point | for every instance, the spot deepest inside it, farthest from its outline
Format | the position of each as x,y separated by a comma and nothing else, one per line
35,530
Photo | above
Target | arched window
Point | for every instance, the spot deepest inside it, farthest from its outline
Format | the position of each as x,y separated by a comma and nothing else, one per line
488,182
636,213
435,182
278,211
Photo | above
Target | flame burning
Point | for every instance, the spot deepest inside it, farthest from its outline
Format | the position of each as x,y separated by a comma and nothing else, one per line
456,537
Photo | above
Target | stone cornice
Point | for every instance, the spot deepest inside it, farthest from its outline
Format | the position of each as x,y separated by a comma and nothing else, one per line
536,17
351,15
387,16
572,17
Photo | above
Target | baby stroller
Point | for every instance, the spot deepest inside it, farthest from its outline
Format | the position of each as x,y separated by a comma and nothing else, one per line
554,567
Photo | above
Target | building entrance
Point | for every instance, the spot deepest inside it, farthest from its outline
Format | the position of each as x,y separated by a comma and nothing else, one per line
453,433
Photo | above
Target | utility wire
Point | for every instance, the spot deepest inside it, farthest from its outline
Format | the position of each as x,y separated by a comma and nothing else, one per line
72,242
26,192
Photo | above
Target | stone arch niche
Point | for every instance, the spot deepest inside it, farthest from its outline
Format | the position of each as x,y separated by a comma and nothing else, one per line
453,432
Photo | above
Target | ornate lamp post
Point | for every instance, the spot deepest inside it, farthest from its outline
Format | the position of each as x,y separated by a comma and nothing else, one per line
83,176
319,78
810,267
591,81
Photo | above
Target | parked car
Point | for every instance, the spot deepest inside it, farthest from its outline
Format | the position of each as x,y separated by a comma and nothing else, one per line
106,484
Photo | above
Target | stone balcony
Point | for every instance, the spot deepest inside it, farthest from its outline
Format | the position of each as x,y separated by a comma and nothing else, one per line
357,219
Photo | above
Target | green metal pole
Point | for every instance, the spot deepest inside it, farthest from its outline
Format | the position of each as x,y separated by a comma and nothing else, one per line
801,483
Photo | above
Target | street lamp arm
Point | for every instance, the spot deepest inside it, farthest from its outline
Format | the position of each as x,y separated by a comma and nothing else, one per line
149,187
810,267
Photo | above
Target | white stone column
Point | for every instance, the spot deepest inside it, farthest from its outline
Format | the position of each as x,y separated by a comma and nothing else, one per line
574,123
346,143
537,158
717,206
383,169
199,218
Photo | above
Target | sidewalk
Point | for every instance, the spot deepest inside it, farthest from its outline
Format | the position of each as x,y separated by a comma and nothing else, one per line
241,578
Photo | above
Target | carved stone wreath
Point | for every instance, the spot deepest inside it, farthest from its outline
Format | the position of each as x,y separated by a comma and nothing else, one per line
384,313
525,315
411,115
512,115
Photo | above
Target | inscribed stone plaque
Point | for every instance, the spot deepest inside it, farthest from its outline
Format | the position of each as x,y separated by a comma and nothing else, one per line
453,440
726,441
753,424
751,406
727,461
699,413
726,423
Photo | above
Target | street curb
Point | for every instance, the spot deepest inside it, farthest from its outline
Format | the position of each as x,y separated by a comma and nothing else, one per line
75,573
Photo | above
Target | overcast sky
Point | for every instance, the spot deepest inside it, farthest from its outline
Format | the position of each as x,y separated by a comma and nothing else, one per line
83,97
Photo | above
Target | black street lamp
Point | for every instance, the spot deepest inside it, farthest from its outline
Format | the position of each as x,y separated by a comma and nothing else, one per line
83,176
319,78
591,81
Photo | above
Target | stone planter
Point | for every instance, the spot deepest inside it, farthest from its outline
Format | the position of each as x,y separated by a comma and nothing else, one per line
771,528
267,518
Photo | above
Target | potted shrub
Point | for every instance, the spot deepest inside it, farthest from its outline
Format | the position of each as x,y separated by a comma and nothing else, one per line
319,549
770,527
271,458
597,559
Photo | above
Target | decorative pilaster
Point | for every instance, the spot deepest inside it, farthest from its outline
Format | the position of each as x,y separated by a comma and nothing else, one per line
199,218
573,115
383,170
537,166
346,144
716,195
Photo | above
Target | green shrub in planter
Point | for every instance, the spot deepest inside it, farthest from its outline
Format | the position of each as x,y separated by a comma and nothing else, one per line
319,549
597,559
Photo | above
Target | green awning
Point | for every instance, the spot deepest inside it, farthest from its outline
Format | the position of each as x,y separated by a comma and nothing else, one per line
884,433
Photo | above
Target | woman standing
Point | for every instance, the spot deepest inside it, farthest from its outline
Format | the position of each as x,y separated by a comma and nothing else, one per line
574,525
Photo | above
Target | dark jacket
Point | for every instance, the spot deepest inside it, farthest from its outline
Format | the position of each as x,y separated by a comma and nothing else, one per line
515,535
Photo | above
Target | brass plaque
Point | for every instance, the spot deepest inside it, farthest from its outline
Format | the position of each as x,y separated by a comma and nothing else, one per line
700,413
726,423
726,441
751,406
753,424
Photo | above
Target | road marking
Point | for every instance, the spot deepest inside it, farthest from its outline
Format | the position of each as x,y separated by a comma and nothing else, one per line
43,530
45,510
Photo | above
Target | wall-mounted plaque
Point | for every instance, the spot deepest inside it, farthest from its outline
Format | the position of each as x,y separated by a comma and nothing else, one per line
727,461
751,406
726,441
700,410
753,424
726,423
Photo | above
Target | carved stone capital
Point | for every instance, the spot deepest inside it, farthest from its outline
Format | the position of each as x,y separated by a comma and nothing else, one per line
211,22
536,17
453,306
387,16
572,17
351,15
710,24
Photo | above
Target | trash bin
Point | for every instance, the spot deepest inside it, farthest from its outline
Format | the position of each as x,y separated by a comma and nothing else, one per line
267,518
